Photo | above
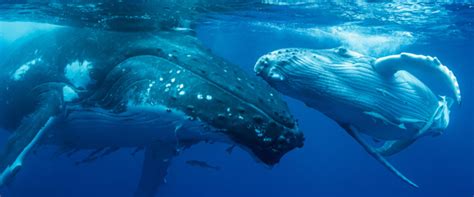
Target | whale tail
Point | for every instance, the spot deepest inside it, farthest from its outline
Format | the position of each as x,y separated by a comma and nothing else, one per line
355,134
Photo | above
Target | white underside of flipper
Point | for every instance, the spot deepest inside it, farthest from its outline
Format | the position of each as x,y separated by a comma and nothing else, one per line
418,65
439,120
11,170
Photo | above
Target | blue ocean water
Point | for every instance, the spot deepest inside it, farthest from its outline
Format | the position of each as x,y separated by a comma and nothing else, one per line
331,163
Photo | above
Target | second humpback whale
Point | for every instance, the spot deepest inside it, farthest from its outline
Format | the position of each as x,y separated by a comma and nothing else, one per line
386,98
84,88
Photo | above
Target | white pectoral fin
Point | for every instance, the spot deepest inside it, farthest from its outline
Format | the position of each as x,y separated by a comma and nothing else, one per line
439,120
27,136
429,68
355,134
394,146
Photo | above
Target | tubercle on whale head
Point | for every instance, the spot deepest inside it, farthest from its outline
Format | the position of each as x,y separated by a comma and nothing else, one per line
270,67
278,68
253,129
266,68
268,141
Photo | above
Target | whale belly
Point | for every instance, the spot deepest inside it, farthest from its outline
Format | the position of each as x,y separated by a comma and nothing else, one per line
95,128
388,109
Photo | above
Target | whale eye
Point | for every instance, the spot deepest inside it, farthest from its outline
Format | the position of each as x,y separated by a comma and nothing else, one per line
342,51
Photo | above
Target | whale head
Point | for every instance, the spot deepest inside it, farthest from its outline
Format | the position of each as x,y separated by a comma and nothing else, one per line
293,70
218,96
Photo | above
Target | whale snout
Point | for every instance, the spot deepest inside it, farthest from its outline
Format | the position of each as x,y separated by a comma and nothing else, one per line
270,66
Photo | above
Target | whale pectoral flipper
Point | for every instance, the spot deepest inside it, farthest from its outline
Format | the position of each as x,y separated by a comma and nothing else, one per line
355,134
419,66
27,135
440,117
394,146
155,167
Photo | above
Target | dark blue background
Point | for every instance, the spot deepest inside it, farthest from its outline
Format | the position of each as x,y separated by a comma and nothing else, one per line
330,164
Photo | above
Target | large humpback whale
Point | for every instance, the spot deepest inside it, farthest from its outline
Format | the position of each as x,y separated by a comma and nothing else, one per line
386,98
84,88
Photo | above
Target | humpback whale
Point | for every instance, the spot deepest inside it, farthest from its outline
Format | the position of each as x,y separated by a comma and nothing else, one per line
387,98
92,89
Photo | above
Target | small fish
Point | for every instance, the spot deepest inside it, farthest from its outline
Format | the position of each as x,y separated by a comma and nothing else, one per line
91,157
202,164
230,149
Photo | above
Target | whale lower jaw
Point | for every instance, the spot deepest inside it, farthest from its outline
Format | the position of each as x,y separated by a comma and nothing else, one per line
91,128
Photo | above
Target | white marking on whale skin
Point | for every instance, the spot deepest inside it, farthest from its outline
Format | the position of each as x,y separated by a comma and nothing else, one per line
23,69
69,94
199,96
78,73
146,95
10,170
20,72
